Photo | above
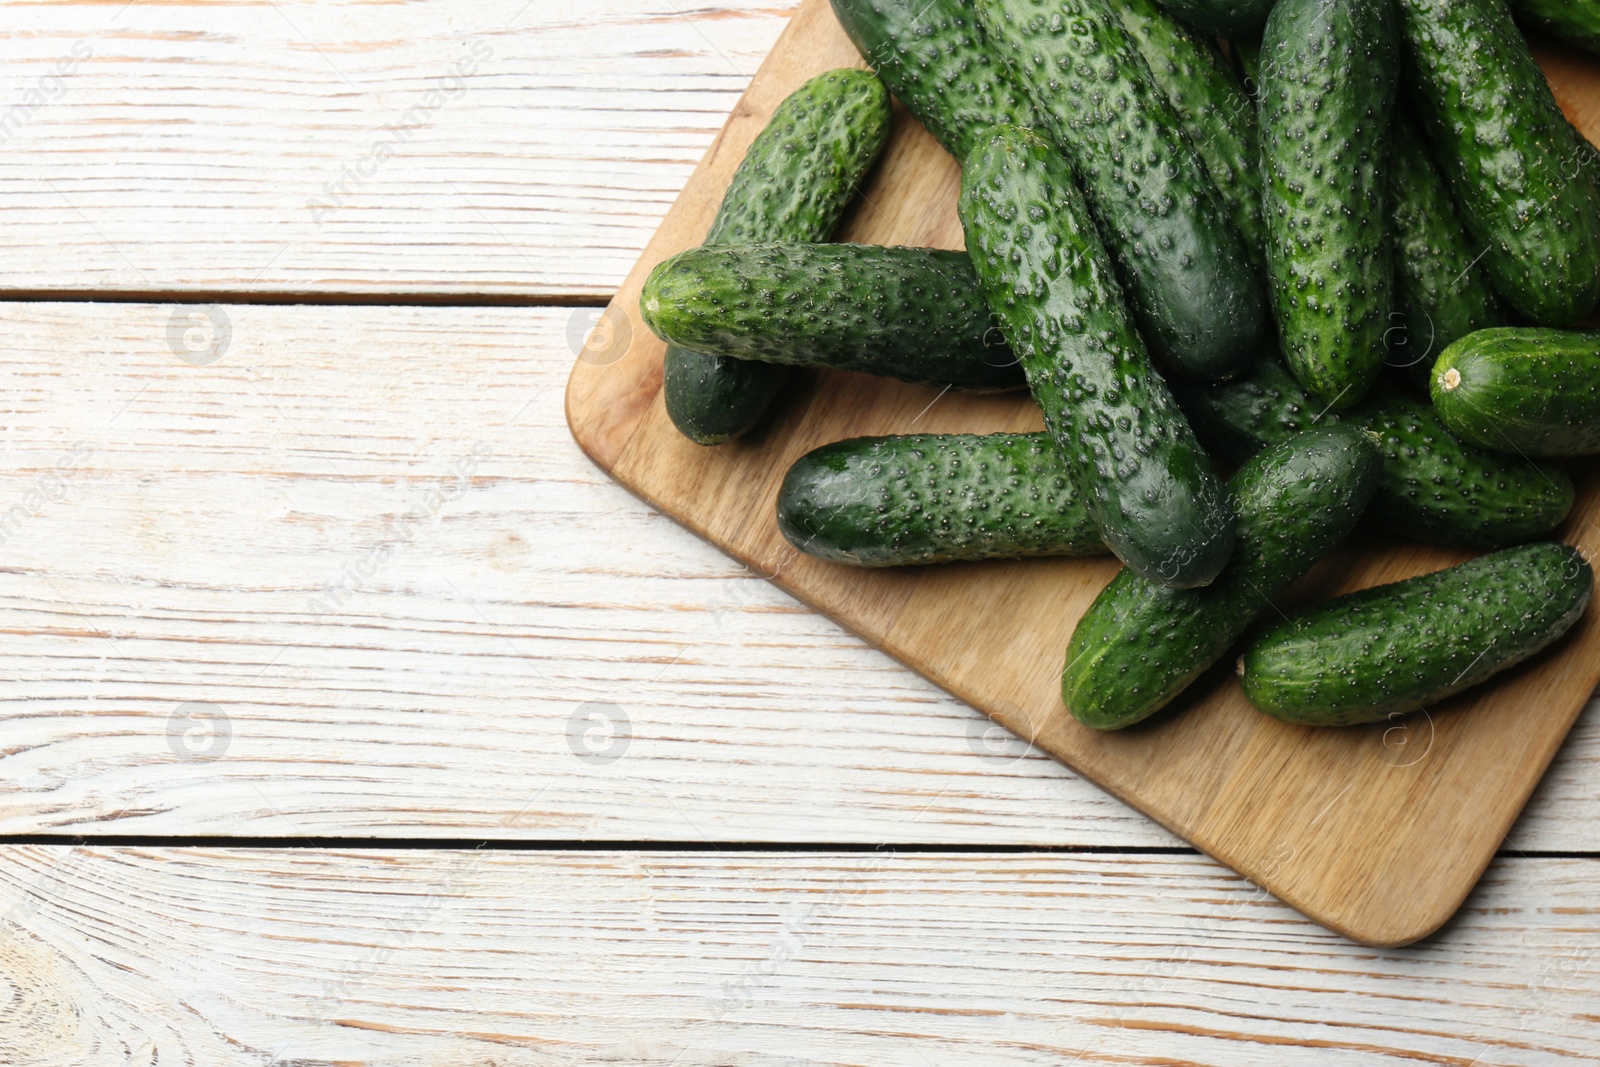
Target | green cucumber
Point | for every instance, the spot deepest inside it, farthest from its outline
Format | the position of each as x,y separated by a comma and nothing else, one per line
932,55
1185,269
909,313
1135,462
1502,142
935,498
1577,21
1328,73
1435,488
1533,392
1393,648
1233,19
1441,291
1140,645
1217,116
794,184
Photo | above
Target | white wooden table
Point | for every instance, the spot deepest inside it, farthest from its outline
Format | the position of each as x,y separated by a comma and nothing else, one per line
351,716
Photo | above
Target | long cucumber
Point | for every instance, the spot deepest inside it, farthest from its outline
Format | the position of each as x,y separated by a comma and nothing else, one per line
910,313
1394,648
1134,459
1328,75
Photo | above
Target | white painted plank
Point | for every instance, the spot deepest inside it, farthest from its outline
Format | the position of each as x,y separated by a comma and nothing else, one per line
187,518
502,146
118,956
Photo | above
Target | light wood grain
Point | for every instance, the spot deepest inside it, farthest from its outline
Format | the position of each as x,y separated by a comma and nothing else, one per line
295,146
1385,843
177,564
115,956
180,561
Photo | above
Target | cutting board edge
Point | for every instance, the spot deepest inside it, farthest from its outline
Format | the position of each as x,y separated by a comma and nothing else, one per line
607,440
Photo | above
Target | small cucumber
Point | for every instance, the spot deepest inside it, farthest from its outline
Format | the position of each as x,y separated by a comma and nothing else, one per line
1577,21
1533,392
932,55
934,498
1217,116
909,313
1198,298
1140,645
1328,72
1135,462
1393,648
1435,488
1237,20
1441,291
794,184
1501,143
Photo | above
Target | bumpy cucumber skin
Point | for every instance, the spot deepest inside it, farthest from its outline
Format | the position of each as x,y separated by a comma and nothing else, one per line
1217,116
1328,74
1534,392
932,55
1136,463
1501,143
794,184
1234,19
1435,488
935,498
1394,648
1441,292
1197,295
909,313
1140,645
1577,21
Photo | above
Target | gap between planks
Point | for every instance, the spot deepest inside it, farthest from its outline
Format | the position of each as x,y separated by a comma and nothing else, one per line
443,844
291,298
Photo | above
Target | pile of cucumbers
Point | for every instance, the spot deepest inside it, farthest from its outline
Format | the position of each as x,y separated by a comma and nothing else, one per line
1333,249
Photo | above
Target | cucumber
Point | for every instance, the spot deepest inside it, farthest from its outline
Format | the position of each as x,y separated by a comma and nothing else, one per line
1435,488
1501,143
1394,648
909,313
1190,280
1577,21
794,184
932,55
1533,392
935,498
1233,19
1140,645
1328,72
1217,116
1441,292
1135,462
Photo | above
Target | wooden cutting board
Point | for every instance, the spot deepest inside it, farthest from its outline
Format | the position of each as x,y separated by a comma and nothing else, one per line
1377,832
